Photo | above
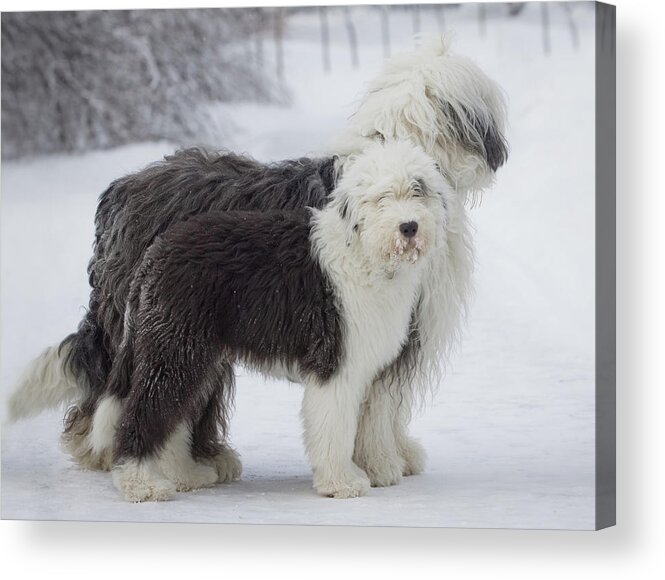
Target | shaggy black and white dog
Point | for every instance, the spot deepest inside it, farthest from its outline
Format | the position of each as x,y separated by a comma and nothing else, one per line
439,100
323,296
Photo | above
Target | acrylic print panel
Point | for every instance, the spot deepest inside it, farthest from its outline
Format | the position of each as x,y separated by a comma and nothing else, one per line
520,431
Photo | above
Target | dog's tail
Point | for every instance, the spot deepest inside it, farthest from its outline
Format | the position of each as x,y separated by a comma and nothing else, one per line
63,374
49,382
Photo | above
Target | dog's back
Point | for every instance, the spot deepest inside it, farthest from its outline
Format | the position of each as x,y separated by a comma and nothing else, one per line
143,205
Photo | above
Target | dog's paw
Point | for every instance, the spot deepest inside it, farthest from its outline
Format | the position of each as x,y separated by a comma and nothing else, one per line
228,465
138,482
355,483
385,473
198,475
414,456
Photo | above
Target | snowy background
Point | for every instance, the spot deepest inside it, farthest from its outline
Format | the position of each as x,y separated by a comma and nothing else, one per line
510,435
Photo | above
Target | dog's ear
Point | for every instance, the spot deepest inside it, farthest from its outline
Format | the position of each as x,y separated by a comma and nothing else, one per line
496,146
478,132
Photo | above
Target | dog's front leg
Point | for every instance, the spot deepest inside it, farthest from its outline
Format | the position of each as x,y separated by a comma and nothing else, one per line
376,449
330,415
410,450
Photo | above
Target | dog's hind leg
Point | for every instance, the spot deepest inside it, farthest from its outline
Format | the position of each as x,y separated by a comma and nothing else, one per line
376,449
90,432
179,466
89,359
169,469
210,433
90,427
155,434
142,480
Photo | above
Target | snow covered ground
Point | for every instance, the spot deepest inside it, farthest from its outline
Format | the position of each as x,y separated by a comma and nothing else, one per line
510,436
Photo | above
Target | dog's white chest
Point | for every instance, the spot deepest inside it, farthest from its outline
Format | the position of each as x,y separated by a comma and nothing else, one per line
376,322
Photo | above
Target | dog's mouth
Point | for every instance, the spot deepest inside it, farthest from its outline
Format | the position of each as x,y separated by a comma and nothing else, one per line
405,250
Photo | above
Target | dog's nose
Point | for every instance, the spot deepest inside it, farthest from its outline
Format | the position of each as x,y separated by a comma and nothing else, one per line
408,229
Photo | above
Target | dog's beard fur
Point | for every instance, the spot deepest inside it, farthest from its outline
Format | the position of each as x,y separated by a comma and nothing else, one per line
405,250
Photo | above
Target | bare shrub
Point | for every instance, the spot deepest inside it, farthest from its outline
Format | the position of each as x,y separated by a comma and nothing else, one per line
73,81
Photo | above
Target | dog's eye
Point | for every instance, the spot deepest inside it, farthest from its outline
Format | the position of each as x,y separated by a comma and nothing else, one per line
418,188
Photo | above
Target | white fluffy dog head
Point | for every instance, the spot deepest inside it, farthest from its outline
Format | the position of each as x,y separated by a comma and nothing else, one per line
391,201
443,102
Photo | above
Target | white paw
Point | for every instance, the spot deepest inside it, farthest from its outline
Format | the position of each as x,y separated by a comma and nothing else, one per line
414,456
386,472
138,481
198,475
227,464
353,483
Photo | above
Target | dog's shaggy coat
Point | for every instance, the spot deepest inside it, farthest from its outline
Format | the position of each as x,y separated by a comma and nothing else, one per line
325,295
432,96
215,289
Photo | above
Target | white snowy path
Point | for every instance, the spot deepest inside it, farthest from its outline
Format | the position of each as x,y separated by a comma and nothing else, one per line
510,435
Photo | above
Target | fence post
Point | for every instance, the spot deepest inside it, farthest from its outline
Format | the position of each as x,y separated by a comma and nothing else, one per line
482,20
416,18
385,29
325,37
278,26
353,40
572,26
440,18
258,37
